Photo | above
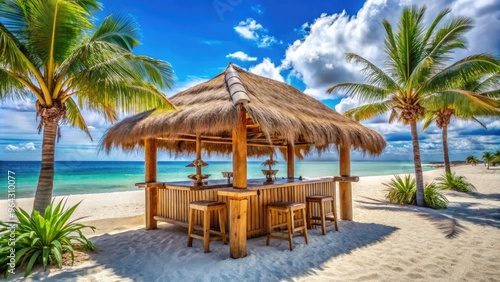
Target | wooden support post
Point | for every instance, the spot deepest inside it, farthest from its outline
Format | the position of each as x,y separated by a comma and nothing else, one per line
345,190
238,202
150,176
238,228
240,150
290,160
198,152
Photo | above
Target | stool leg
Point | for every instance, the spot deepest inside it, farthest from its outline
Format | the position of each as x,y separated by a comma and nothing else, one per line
323,218
190,227
309,214
269,224
304,231
334,210
222,224
206,231
291,227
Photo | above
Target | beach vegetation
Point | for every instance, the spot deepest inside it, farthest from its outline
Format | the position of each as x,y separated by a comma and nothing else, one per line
433,198
53,53
415,69
403,191
472,160
44,238
455,182
488,158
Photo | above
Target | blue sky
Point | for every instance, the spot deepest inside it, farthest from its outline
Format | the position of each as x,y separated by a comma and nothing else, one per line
299,42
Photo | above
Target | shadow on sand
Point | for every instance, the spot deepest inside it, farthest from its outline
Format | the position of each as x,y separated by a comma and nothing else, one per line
475,208
132,254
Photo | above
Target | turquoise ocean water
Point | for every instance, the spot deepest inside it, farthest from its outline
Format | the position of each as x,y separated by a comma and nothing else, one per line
100,177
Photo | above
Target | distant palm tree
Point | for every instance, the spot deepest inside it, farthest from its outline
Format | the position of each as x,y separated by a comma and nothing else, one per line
488,157
496,158
50,49
415,69
472,160
477,98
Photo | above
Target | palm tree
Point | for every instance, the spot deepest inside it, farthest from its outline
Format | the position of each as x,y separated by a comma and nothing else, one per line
488,157
472,160
465,105
51,50
496,158
414,70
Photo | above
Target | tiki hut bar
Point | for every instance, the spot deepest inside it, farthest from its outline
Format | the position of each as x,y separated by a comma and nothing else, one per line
242,115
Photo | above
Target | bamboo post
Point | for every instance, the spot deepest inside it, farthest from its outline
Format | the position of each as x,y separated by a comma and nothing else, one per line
345,190
150,176
290,160
240,150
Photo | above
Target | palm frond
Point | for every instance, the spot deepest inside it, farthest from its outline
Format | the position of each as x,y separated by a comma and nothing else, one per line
74,117
448,38
364,92
465,69
368,111
54,28
119,30
373,74
10,88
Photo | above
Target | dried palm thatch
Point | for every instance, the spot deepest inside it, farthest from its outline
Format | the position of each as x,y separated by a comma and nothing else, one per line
277,115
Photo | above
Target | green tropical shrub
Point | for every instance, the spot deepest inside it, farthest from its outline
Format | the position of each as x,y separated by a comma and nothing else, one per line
403,191
454,182
433,198
43,238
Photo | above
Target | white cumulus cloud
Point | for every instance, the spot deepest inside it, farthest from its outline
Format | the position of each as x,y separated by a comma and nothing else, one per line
252,30
22,147
318,59
267,69
242,56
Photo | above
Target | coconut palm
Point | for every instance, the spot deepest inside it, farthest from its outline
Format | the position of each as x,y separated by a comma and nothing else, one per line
51,50
415,68
465,106
472,160
488,157
496,158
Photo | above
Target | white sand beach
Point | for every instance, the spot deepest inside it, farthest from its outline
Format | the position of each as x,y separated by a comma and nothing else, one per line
384,242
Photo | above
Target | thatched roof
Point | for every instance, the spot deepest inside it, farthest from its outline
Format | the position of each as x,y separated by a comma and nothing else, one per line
277,113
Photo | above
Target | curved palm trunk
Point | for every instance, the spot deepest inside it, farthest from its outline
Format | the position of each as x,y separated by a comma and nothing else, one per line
418,164
447,165
43,194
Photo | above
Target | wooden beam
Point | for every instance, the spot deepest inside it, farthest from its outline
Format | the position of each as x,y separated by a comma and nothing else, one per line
290,160
346,178
221,142
345,190
240,151
150,176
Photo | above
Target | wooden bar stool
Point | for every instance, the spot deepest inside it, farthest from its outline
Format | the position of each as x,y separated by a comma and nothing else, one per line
322,217
288,209
206,207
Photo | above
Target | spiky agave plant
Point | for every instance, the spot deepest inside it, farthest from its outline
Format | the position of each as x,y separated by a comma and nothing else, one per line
402,190
433,198
45,238
455,182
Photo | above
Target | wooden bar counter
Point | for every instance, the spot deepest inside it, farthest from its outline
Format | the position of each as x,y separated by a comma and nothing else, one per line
174,198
